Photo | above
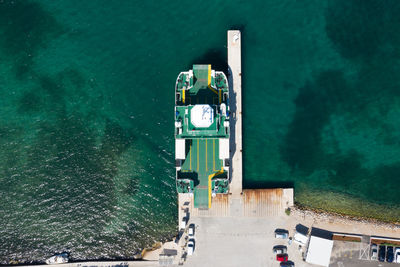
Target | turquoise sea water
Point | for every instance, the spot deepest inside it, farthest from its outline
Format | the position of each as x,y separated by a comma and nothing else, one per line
86,113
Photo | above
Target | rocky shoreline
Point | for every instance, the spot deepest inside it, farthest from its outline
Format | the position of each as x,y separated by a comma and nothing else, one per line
318,217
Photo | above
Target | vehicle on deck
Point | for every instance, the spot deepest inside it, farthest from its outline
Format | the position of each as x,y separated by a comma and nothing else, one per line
382,253
190,247
280,249
58,259
281,233
374,252
397,254
287,264
282,257
389,254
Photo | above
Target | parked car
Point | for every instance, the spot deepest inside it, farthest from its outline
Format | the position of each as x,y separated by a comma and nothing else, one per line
382,253
279,249
190,247
281,233
191,230
282,257
287,264
397,255
374,252
389,254
183,223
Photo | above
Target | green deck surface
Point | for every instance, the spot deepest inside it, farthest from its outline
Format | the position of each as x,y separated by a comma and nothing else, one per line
203,159
200,73
199,91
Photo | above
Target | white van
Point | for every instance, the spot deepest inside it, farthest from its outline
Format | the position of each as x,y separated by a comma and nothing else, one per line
300,238
191,230
183,223
190,247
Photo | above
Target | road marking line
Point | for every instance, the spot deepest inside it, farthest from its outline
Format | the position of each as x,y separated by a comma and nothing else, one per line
206,157
198,155
213,154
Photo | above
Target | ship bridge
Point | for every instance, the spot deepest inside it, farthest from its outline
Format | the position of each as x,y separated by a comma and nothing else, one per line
202,134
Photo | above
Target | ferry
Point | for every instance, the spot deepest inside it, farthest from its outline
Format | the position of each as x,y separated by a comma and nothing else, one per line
202,134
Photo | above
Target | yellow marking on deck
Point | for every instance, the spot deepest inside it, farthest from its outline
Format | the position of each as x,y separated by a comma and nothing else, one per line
198,155
209,76
209,80
206,156
209,184
213,154
190,157
183,96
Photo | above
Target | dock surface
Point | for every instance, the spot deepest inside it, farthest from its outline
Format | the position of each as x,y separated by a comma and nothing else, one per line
235,83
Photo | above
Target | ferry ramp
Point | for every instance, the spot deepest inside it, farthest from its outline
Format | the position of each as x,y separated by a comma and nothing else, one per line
203,161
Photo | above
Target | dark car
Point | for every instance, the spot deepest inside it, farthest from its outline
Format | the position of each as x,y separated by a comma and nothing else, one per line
389,254
381,253
287,264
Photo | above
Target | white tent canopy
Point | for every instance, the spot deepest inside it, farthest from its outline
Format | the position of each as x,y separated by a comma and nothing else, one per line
180,149
319,251
223,148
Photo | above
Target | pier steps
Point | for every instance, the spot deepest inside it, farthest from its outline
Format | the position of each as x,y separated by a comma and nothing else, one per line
262,202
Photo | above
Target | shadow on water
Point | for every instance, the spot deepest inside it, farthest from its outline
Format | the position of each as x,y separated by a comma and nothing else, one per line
216,57
267,184
26,27
364,28
315,103
303,148
364,32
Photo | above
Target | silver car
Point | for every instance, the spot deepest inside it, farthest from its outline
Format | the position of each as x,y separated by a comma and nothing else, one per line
279,249
281,233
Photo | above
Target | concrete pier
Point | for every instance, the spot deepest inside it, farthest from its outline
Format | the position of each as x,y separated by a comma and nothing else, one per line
235,93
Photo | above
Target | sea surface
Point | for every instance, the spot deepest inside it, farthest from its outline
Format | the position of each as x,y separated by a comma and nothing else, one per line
86,113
